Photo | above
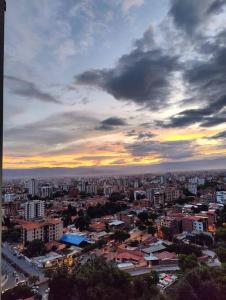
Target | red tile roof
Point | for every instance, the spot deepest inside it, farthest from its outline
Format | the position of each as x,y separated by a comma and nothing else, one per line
166,255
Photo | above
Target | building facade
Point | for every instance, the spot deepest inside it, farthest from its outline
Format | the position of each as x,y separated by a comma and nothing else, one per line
34,209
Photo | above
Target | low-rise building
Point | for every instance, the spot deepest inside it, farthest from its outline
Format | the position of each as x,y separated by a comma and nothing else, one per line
48,230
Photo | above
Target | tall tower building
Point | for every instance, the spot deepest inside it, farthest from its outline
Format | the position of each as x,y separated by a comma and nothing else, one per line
34,209
33,187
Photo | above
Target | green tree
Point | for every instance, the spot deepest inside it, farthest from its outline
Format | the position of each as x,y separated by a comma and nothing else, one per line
220,234
143,216
98,279
120,236
151,230
33,279
133,243
61,284
198,284
35,248
49,273
116,196
82,222
181,248
12,235
72,210
221,253
66,218
188,262
18,292
167,233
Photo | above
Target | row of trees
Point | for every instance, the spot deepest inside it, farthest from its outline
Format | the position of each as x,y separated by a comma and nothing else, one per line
12,235
98,279
220,236
83,220
18,292
35,248
220,246
200,284
185,249
109,208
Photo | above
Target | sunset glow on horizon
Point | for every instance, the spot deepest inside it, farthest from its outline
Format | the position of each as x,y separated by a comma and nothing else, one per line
113,83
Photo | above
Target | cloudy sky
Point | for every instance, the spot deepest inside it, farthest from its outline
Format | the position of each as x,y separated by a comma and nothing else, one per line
114,82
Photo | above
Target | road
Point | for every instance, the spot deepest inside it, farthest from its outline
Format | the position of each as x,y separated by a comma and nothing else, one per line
20,263
23,268
11,282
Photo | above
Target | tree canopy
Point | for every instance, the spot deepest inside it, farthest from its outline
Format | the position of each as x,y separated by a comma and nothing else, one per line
99,279
18,292
35,248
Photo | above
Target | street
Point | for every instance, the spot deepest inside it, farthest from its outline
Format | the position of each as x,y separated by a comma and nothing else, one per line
11,281
25,267
22,268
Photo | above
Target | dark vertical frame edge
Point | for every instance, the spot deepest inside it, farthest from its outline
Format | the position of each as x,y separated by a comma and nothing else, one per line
2,23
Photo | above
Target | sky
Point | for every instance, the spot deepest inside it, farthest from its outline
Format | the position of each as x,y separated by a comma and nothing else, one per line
114,83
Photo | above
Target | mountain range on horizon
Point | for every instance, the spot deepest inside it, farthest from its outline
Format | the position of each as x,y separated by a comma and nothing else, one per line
116,170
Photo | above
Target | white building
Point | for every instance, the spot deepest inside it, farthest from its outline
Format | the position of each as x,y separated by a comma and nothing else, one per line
107,190
136,184
221,197
9,197
200,224
192,187
201,181
33,187
34,209
91,188
193,180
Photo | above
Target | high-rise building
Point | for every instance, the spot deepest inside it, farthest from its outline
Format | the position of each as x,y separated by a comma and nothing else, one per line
9,197
192,187
34,209
45,191
33,187
221,197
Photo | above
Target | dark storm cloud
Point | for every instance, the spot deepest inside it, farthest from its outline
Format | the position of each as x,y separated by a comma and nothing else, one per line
141,76
140,134
211,115
110,123
168,150
131,133
28,89
216,6
220,135
206,85
214,120
114,121
147,41
206,78
188,15
145,135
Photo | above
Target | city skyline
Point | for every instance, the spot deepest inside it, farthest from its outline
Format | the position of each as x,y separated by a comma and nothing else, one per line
115,84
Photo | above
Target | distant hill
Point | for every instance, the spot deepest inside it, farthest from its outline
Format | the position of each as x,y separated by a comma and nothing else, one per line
219,163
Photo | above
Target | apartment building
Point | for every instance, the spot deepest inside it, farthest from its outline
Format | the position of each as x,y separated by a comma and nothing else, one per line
49,230
34,209
221,197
